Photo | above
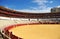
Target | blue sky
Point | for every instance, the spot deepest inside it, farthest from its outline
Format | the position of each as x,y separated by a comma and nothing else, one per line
30,5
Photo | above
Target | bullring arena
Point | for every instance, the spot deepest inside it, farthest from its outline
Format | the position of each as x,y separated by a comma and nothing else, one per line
23,25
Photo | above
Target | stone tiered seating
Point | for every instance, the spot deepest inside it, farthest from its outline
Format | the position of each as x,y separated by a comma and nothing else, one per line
4,22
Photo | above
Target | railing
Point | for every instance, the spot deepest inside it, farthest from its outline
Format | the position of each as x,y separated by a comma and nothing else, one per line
9,35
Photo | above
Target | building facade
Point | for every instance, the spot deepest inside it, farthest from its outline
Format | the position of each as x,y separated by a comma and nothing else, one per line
56,9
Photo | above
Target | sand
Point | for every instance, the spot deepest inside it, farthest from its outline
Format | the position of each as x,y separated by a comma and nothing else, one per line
40,31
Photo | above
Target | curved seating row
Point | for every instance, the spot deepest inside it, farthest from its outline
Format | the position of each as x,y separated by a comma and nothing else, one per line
9,34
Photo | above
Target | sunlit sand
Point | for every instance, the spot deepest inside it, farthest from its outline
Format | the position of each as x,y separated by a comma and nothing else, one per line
40,31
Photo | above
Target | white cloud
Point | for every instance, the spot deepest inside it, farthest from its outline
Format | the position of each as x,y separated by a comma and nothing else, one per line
42,7
35,11
42,4
58,6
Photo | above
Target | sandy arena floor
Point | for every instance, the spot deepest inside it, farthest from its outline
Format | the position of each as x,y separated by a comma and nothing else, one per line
40,31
